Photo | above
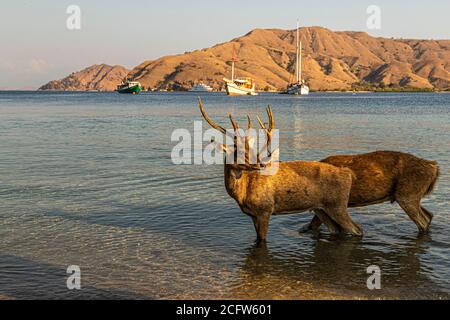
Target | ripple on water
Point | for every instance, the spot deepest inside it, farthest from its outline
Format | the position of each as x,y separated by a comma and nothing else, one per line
86,179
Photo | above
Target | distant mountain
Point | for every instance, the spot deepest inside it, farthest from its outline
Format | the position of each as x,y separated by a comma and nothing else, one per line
331,61
97,77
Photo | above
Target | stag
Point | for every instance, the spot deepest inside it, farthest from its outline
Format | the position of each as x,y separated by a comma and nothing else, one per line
388,176
296,186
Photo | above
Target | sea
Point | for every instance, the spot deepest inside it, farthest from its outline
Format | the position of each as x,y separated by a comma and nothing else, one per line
92,205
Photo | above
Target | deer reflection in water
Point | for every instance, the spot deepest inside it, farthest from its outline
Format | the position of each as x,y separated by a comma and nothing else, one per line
336,267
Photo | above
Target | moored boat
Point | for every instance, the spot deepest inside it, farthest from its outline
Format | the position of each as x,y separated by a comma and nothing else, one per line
127,86
239,86
201,87
299,87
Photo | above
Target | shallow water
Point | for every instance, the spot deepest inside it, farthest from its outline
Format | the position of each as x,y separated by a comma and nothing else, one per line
86,179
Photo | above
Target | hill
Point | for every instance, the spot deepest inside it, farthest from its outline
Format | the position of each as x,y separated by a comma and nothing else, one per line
331,61
97,77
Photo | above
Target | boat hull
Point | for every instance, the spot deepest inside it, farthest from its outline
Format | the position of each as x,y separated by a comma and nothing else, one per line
233,89
201,88
297,90
130,90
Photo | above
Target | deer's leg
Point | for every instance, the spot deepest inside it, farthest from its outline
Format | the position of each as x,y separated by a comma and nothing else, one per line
261,223
313,225
420,217
332,226
428,213
340,215
408,195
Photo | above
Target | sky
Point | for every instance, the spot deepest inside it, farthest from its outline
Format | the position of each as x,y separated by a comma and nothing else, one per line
36,46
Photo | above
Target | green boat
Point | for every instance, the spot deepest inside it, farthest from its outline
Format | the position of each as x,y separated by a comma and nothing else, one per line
127,86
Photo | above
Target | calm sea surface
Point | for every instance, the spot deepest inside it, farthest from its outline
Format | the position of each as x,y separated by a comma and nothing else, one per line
86,179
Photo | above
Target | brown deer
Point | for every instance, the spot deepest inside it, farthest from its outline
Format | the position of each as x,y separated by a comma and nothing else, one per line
295,187
388,176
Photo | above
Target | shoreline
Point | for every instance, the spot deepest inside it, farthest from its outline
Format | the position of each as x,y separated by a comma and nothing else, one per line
215,92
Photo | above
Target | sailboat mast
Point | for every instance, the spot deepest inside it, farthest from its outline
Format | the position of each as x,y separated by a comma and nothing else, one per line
232,70
300,64
297,66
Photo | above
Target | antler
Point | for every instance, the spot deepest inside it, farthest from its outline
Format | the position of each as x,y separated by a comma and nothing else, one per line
236,136
268,132
235,125
249,122
208,119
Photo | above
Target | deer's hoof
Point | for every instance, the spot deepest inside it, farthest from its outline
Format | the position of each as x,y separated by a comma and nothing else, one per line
358,231
305,228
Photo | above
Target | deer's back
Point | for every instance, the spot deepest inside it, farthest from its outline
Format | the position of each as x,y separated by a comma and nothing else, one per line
300,186
377,174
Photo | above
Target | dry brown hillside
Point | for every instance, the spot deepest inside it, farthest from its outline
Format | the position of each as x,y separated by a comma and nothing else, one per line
332,61
97,77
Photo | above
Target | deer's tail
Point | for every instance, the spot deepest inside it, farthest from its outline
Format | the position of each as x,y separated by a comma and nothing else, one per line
436,170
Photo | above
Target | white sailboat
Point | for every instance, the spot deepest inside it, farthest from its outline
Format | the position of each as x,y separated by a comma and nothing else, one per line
299,87
201,87
239,86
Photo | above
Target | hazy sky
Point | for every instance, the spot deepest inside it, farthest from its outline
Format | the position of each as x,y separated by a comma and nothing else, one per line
36,46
